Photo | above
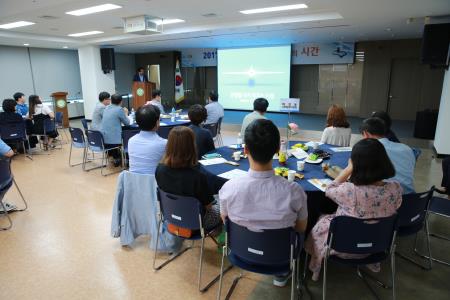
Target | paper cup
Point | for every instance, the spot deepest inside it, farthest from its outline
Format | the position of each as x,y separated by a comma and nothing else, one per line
315,145
300,165
237,155
291,175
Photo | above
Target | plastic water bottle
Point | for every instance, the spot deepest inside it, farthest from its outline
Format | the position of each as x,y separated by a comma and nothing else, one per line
172,114
133,115
239,140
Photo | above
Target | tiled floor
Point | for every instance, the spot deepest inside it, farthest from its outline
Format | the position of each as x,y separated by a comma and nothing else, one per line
61,248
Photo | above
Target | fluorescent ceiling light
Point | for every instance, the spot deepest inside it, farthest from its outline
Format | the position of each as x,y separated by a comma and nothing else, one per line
26,44
65,47
85,33
93,9
167,21
273,8
16,24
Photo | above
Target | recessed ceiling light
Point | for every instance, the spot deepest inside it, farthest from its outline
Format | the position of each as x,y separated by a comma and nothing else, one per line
65,47
273,8
16,24
93,9
85,33
167,21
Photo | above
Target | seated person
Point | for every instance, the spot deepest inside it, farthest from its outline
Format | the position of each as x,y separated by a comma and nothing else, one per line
104,99
113,117
214,109
260,200
178,173
10,116
445,177
389,134
338,131
360,191
21,106
5,151
260,106
146,148
400,154
156,100
38,112
203,137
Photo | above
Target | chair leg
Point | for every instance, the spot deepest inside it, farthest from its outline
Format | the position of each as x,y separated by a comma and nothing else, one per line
324,285
233,286
293,278
21,196
5,213
429,256
224,249
393,273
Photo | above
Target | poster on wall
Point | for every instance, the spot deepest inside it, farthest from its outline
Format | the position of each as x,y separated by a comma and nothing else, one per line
205,57
323,53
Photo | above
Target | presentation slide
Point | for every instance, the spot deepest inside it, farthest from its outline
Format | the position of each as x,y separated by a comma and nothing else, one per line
249,73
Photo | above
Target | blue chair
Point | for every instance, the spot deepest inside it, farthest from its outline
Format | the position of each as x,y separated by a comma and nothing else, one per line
59,121
6,181
16,133
78,141
372,237
96,145
186,212
84,122
439,207
50,126
213,129
412,216
163,131
126,136
269,252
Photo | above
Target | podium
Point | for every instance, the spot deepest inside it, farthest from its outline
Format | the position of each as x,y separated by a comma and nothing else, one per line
142,92
60,105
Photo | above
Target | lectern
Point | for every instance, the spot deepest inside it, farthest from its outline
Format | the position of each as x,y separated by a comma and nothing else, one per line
60,105
142,92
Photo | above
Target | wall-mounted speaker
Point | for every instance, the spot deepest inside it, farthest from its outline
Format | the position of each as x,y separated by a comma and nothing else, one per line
435,45
107,59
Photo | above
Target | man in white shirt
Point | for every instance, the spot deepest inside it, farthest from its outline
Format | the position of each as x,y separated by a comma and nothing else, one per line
214,109
259,109
156,100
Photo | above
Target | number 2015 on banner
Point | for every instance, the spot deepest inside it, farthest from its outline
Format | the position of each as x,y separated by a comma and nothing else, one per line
210,55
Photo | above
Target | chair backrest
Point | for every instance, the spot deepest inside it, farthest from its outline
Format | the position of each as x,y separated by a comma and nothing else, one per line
212,128
40,123
5,171
77,137
13,131
49,125
219,125
412,212
85,124
126,136
95,140
164,131
181,211
59,116
268,247
362,236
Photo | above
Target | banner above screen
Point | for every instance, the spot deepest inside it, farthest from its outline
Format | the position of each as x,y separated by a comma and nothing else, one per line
302,54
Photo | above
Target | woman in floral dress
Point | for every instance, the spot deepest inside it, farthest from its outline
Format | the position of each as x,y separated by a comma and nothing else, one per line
360,191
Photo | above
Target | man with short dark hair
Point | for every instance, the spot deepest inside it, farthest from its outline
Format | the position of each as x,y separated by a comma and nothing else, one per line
97,115
156,100
21,106
401,156
261,200
259,109
146,148
203,137
214,109
140,75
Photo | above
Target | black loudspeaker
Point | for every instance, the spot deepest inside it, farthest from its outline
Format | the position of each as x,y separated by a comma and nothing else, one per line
107,58
435,44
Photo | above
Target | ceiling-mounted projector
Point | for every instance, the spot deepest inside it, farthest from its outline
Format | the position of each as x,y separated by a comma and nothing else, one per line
142,25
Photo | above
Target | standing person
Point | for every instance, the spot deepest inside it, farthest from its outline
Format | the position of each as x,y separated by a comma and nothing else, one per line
260,200
21,106
400,154
140,76
113,118
214,109
38,113
359,191
178,173
146,148
203,137
156,100
260,106
445,177
104,99
390,135
338,130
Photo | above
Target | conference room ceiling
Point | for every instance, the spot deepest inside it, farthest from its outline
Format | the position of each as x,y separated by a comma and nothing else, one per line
323,20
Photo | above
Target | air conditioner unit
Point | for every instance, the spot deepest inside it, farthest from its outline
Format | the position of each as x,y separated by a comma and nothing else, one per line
142,25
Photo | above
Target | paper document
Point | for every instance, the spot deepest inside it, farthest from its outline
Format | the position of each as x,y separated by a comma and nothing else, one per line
236,146
298,153
321,184
310,144
341,149
212,161
162,124
235,173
